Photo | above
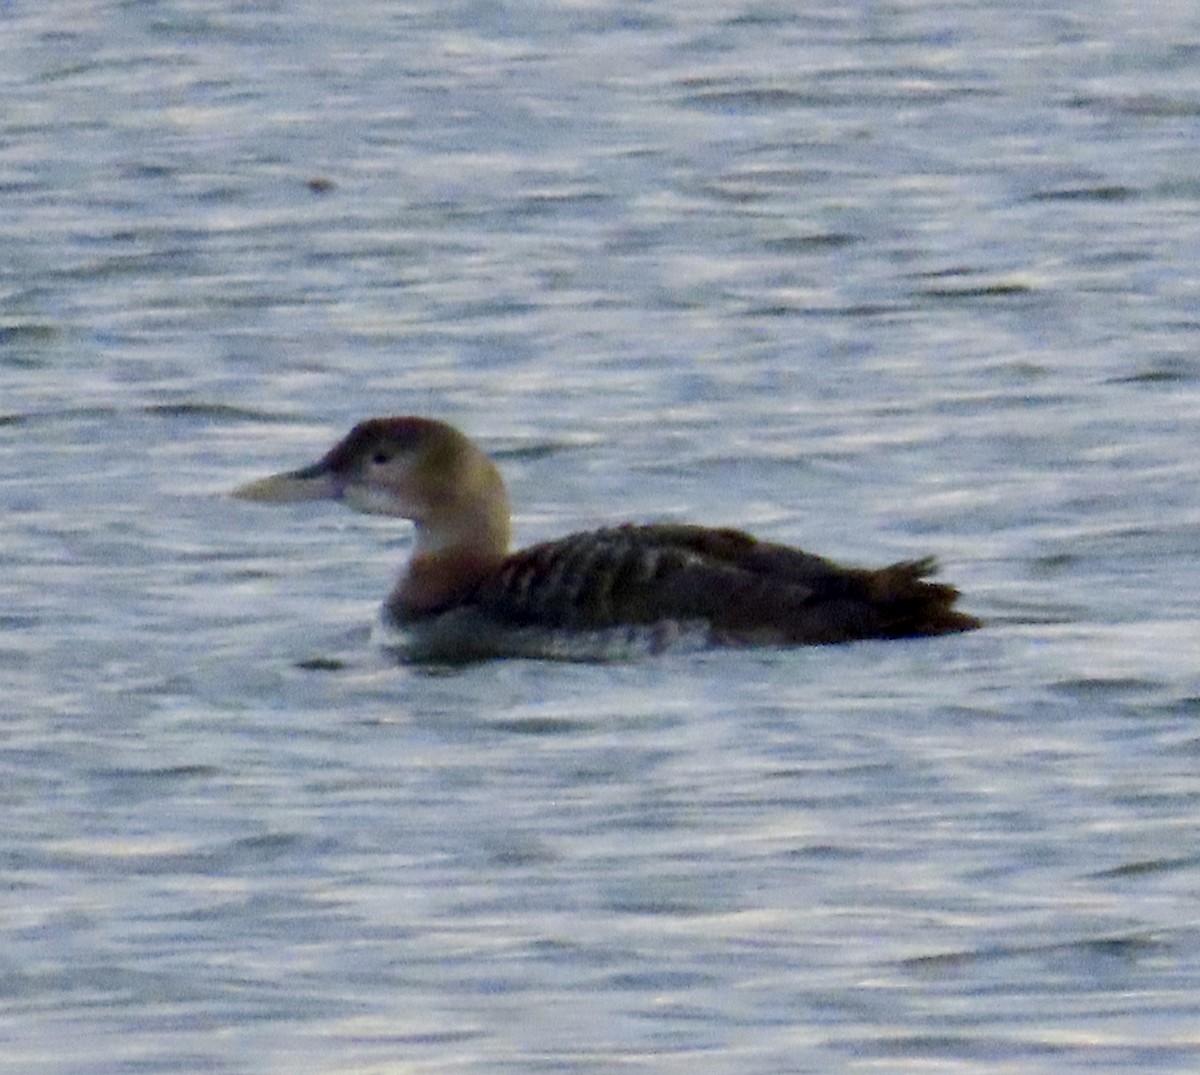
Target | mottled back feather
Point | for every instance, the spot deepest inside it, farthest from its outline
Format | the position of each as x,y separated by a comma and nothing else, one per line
745,590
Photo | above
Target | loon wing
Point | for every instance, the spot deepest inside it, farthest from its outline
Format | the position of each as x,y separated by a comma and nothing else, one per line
744,590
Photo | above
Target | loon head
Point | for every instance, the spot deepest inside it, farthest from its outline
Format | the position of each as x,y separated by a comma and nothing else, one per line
413,468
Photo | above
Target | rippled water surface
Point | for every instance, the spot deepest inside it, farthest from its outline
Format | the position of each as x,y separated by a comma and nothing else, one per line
879,279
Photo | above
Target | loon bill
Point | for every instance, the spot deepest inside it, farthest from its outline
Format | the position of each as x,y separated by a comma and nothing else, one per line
470,598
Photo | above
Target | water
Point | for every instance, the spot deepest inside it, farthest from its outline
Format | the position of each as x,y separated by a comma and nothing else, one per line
880,279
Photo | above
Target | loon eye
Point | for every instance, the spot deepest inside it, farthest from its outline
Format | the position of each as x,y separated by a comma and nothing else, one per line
381,457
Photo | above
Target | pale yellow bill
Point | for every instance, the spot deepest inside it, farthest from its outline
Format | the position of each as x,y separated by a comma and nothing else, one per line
289,488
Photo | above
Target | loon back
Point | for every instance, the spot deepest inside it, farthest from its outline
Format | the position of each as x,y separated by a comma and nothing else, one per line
738,589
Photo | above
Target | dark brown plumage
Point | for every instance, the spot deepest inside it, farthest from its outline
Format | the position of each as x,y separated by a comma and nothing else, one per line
468,596
746,591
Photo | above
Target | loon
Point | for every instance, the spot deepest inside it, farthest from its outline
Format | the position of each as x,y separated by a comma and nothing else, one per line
464,596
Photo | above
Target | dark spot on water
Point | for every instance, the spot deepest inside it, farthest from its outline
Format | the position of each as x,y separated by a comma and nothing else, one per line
1147,866
963,1047
941,962
528,854
539,726
446,1037
659,981
27,332
802,244
1122,947
824,852
1156,375
1053,563
776,310
755,99
531,452
1001,289
209,411
171,772
267,845
322,664
1099,193
1096,687
1126,947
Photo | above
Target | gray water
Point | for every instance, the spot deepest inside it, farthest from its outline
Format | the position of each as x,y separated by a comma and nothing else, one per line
880,280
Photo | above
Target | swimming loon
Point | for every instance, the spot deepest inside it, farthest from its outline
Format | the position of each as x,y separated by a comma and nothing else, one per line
465,596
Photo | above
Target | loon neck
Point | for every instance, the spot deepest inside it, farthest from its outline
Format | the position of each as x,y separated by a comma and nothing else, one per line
433,581
450,558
